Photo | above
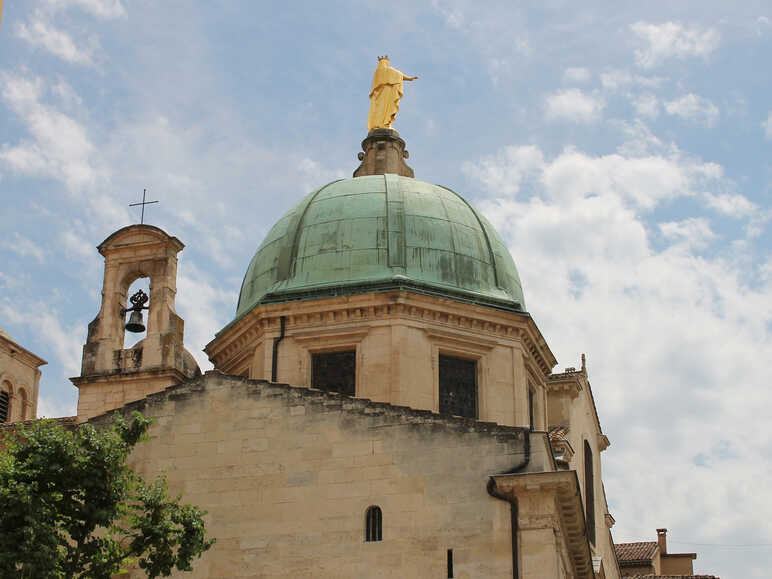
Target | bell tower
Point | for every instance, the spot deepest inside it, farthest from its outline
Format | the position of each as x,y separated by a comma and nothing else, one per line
112,376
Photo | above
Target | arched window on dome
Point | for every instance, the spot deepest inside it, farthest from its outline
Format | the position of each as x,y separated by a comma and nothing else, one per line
373,524
589,492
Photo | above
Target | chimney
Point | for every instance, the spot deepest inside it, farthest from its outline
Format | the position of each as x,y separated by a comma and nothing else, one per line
662,540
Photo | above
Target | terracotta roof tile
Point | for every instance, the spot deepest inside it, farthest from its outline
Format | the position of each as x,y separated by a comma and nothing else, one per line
641,551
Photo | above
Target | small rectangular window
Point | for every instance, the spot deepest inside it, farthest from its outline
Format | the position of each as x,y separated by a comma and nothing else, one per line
531,409
450,563
334,372
458,386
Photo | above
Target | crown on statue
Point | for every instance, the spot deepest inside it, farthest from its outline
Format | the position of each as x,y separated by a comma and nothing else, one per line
384,57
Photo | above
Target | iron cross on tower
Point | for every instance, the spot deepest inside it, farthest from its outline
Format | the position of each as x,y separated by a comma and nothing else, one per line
142,217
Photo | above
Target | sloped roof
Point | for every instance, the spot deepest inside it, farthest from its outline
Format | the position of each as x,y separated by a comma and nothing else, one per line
635,552
31,358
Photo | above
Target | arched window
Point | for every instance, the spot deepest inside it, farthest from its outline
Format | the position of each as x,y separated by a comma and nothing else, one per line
373,524
589,492
4,404
132,337
6,391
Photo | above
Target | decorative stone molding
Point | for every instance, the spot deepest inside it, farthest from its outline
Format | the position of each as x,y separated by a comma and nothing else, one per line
567,518
567,384
489,323
383,151
21,354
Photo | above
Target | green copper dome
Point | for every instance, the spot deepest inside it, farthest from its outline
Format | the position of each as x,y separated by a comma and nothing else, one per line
377,233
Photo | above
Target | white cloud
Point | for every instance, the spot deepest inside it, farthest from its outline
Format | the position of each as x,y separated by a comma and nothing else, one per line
693,108
43,34
59,148
76,248
204,306
670,330
646,105
616,79
504,172
694,232
573,105
67,95
763,25
731,204
107,9
453,15
641,142
575,75
23,246
46,324
672,40
49,407
767,126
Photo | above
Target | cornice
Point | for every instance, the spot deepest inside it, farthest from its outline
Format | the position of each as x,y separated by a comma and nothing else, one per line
570,383
445,314
123,377
20,353
565,487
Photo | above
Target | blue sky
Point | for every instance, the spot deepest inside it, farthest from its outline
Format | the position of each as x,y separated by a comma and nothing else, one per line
623,154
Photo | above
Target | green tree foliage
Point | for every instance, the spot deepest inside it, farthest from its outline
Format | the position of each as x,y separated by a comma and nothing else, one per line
70,506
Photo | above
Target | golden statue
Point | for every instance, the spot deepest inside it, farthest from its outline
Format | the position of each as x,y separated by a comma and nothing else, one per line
385,94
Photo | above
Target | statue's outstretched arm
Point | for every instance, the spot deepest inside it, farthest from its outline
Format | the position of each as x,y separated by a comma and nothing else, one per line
405,77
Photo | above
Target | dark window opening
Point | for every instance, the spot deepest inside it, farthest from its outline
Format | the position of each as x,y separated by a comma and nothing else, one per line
589,492
334,372
450,563
373,524
4,403
458,386
531,409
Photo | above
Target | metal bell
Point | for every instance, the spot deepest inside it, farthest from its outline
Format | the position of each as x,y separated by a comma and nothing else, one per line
136,324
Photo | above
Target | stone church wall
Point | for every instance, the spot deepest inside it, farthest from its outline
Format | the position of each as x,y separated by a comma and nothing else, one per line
287,474
19,379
